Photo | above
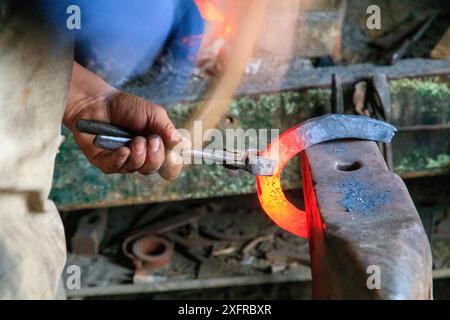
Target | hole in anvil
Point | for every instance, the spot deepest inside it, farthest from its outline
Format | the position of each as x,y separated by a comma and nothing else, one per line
348,166
229,120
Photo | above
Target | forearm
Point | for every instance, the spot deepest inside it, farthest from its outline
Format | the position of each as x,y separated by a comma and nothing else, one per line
85,88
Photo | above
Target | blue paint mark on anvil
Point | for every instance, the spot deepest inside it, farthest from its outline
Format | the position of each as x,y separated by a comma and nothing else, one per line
361,198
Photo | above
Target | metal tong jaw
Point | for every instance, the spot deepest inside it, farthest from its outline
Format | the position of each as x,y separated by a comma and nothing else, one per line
248,160
111,137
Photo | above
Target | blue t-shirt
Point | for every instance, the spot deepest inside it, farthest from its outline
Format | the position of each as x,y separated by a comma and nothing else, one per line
125,37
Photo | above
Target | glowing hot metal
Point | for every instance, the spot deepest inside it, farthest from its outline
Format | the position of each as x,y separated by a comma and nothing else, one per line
298,138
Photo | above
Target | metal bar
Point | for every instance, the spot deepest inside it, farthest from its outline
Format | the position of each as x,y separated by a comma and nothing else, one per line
441,273
425,127
337,95
362,221
408,43
168,286
321,78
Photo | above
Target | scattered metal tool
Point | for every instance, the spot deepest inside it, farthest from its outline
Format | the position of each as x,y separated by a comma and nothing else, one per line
146,247
90,231
405,28
111,137
408,43
151,252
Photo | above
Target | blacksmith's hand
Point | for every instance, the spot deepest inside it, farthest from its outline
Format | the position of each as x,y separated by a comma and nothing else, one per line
91,98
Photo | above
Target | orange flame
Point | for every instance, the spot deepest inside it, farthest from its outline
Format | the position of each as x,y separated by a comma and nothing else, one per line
209,11
222,16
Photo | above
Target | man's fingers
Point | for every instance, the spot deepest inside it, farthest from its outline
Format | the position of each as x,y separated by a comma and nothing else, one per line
143,117
145,156
140,116
111,161
159,122
155,155
136,160
173,164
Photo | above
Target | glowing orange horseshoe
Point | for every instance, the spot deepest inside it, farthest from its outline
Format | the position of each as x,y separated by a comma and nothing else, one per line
270,194
298,138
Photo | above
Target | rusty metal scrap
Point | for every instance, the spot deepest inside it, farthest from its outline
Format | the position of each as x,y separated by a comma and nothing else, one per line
287,256
137,243
224,251
171,223
151,252
89,234
225,236
187,248
253,243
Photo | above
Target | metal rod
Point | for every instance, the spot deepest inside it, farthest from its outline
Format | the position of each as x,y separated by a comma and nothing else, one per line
407,44
425,127
168,286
